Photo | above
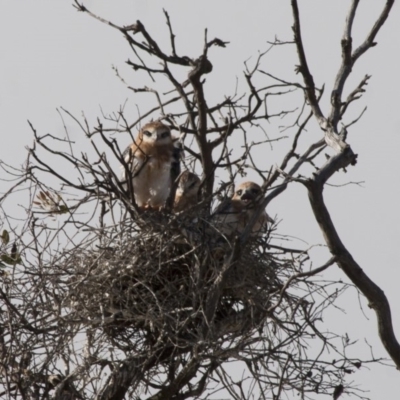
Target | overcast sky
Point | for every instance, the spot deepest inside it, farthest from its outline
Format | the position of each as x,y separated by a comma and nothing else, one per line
53,56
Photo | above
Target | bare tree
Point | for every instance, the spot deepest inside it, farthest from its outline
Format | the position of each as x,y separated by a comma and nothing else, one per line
104,300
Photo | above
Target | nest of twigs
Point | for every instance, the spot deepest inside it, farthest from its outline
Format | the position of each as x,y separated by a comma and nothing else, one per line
159,277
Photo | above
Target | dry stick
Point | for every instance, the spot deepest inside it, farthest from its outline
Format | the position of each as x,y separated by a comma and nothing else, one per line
346,66
171,33
376,297
354,95
330,262
303,67
203,66
374,294
214,293
183,378
24,322
331,137
349,58
165,103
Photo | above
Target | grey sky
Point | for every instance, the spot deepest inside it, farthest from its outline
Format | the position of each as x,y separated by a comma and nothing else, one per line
53,56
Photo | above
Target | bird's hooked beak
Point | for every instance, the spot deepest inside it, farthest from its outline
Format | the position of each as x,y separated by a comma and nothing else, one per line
247,197
162,135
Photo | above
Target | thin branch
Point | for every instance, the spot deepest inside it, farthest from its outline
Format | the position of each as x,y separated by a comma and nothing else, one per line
303,67
376,297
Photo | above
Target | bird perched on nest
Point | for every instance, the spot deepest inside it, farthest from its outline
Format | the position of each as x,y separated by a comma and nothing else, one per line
233,215
187,192
154,162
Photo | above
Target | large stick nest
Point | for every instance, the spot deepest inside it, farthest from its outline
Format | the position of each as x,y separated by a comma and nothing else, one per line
157,280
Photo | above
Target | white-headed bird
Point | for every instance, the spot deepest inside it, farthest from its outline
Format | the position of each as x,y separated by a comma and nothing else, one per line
154,162
233,215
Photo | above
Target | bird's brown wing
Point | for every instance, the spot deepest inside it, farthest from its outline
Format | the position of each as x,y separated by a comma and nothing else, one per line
131,159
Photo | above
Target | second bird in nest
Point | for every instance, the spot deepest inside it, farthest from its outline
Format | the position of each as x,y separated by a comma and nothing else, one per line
187,191
233,215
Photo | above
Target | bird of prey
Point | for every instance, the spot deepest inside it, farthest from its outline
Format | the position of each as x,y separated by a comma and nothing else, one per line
187,192
233,215
153,160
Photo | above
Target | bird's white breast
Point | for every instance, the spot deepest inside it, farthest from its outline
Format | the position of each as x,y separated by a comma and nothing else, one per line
153,183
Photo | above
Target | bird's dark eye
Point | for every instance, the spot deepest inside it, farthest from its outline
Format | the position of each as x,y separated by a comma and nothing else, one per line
239,192
192,184
165,134
147,133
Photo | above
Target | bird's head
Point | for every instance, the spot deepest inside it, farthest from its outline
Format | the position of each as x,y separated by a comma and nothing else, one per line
188,184
155,133
247,194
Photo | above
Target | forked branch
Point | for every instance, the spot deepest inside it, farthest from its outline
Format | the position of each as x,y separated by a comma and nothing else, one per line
375,296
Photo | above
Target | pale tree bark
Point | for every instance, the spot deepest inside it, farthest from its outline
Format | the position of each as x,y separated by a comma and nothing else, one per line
344,157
